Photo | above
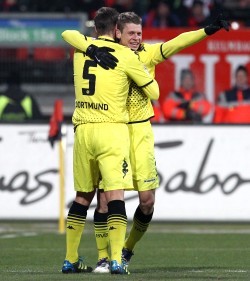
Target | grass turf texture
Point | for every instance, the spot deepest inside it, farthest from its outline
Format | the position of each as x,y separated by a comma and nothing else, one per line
34,251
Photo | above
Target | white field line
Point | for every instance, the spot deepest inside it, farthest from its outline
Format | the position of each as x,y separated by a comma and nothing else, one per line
207,249
8,232
220,271
15,235
23,271
200,231
190,271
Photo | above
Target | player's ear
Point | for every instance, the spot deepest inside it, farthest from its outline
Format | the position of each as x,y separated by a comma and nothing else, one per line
118,34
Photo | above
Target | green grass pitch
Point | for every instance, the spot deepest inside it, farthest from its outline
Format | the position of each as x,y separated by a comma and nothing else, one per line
34,251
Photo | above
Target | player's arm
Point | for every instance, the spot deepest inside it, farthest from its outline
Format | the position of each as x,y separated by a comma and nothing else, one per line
157,53
136,70
182,41
187,39
101,55
151,90
77,40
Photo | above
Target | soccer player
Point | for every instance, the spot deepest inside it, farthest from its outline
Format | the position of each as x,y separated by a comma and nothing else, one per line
129,31
101,144
145,179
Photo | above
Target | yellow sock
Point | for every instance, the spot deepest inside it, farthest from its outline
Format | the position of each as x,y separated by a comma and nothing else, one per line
139,227
74,229
101,234
117,224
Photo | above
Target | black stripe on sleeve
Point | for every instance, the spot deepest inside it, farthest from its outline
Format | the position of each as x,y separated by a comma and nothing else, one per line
146,84
162,52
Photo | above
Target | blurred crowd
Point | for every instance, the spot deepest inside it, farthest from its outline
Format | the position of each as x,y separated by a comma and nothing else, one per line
157,13
187,105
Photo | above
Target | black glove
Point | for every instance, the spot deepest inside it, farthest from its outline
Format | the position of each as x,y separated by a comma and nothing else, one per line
215,26
193,116
102,56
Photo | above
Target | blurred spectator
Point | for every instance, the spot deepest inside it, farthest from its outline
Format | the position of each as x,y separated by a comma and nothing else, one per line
186,104
208,5
9,6
232,4
244,12
181,11
15,104
238,11
121,5
141,7
161,16
233,105
197,17
92,6
244,4
55,6
176,12
158,115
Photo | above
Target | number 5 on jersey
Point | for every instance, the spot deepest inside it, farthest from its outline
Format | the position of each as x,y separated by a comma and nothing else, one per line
90,91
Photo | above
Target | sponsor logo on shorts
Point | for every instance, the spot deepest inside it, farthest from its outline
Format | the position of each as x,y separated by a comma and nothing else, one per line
124,167
150,180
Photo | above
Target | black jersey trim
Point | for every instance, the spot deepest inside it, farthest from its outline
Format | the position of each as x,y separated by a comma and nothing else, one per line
146,84
162,52
141,48
141,121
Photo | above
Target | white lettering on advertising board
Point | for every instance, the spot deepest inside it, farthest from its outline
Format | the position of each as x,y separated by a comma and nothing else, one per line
204,173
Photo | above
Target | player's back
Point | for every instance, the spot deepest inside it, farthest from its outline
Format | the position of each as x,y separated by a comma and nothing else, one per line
101,94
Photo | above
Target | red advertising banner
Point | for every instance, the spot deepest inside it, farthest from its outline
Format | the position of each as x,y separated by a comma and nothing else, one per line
213,60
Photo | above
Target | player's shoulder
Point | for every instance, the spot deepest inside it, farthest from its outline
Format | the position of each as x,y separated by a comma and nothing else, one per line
149,46
128,53
89,38
108,43
120,48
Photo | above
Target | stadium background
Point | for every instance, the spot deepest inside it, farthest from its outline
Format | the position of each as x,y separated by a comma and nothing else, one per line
200,229
32,44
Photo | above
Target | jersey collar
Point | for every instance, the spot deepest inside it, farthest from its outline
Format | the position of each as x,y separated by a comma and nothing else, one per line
106,38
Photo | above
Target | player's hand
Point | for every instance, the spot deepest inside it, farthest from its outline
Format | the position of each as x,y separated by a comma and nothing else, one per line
217,24
102,56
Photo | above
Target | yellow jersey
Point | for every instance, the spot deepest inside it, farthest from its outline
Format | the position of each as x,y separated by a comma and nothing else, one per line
138,104
100,95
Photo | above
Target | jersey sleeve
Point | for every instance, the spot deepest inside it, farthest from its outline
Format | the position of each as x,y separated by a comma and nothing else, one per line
154,54
181,42
152,90
77,40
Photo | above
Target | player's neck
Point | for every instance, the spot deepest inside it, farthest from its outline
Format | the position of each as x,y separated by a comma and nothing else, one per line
106,38
110,35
